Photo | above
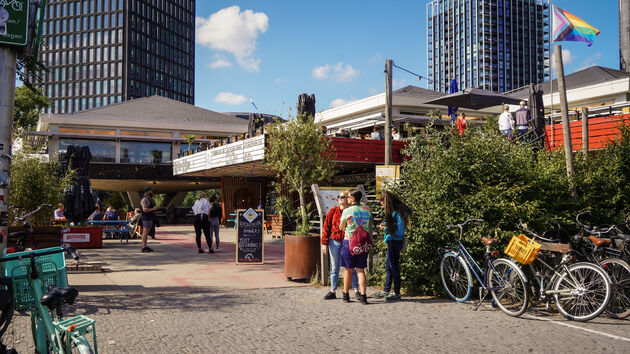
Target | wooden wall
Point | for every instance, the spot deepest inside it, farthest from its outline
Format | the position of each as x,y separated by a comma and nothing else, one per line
601,130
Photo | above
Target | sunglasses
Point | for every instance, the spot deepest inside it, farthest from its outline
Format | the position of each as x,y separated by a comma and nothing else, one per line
341,197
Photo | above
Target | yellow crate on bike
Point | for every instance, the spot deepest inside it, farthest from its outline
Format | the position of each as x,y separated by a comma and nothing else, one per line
51,270
523,249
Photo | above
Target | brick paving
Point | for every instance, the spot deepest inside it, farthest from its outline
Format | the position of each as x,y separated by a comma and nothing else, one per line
222,316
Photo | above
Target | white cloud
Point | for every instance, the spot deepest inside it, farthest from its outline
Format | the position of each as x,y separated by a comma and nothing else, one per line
230,98
280,80
220,62
233,31
567,58
340,72
589,61
340,102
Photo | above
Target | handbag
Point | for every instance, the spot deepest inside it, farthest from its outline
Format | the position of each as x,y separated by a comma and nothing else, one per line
360,242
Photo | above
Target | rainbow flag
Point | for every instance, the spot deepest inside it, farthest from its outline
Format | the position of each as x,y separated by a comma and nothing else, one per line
568,27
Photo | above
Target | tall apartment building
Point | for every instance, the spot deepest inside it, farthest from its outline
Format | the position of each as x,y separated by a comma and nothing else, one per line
101,52
497,45
624,35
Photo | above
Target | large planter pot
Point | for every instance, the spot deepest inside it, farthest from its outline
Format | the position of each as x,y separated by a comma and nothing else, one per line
45,236
301,256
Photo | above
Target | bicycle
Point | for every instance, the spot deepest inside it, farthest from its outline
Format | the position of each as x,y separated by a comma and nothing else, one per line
500,277
598,251
581,291
20,236
39,284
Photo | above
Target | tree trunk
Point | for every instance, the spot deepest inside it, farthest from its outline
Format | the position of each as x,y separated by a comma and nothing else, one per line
304,221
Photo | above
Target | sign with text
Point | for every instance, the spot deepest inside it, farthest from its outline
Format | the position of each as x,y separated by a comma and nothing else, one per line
14,22
249,236
76,237
386,175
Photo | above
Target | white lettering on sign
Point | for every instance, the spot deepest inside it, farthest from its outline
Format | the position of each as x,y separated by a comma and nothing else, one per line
76,237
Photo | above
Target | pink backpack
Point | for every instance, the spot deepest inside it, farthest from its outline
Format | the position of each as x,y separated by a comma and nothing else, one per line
360,242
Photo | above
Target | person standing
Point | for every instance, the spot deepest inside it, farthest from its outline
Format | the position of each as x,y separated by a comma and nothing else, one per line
506,122
396,214
352,217
332,238
215,221
201,209
148,216
461,124
522,121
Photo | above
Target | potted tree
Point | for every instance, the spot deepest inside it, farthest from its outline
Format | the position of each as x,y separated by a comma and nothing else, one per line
300,155
190,141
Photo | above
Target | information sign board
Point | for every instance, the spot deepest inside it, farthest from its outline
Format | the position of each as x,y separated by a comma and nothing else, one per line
14,22
249,236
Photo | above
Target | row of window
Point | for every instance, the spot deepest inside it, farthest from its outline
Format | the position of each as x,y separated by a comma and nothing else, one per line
80,104
85,23
130,151
85,88
84,72
87,56
161,10
82,40
61,8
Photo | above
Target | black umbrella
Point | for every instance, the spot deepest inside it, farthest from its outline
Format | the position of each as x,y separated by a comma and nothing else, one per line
537,110
474,98
79,200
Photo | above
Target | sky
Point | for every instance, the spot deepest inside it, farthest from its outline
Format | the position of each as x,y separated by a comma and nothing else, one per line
272,51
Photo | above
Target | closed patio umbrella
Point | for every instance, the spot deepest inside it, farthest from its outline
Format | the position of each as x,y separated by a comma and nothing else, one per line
79,200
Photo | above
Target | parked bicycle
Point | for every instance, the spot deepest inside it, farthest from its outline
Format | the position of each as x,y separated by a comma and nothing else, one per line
581,291
39,283
500,277
20,236
593,244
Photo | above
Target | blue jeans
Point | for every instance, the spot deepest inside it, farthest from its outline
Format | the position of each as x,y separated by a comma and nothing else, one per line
521,133
392,265
214,229
334,251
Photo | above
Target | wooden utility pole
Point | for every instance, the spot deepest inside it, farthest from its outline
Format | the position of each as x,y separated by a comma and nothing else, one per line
7,100
388,112
566,129
585,132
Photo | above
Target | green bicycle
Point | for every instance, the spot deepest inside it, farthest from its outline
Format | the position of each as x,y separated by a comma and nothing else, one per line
39,283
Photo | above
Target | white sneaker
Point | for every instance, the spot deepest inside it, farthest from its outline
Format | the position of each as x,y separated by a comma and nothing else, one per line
217,250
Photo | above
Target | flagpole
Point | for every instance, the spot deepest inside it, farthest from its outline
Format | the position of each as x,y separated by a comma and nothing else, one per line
551,76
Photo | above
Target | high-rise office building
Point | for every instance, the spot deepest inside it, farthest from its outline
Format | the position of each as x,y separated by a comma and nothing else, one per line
624,35
100,52
497,45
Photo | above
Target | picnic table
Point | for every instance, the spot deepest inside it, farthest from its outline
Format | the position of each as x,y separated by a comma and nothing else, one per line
114,226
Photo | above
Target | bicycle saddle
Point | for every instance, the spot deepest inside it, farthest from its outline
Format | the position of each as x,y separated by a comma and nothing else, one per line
599,241
489,241
57,296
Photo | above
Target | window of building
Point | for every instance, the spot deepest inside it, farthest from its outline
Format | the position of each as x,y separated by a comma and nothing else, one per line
144,152
102,151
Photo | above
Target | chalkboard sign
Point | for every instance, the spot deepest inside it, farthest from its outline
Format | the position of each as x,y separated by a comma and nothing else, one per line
249,236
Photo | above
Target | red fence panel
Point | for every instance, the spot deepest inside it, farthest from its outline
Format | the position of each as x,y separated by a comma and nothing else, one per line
601,131
365,150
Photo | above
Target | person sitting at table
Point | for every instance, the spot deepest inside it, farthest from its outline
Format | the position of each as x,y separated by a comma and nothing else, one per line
97,215
136,216
111,214
58,213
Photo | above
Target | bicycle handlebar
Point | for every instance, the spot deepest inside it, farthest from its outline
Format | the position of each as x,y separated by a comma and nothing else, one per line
23,217
591,230
449,226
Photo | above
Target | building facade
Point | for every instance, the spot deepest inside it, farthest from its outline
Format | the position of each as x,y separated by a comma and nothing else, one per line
100,52
496,45
624,35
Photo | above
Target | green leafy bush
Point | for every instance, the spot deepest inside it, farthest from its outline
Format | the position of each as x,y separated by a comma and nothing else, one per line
482,175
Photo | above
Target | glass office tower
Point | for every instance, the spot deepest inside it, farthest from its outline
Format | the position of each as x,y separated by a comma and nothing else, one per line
497,45
101,52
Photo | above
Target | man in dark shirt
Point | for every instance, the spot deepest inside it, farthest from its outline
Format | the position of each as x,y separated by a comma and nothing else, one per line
148,216
522,117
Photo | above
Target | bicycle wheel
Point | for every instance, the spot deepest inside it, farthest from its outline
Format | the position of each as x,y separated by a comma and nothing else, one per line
456,277
508,287
583,292
619,272
81,345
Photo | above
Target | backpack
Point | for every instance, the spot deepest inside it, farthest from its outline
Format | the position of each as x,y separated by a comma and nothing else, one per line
360,242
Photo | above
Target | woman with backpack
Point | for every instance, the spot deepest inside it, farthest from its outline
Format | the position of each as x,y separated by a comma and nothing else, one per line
396,214
353,217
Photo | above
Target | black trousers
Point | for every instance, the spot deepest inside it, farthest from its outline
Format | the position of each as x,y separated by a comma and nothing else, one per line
201,222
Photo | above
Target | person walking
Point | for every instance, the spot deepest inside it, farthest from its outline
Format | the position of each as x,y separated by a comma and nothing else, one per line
201,209
506,122
522,121
396,214
148,216
352,217
215,221
332,238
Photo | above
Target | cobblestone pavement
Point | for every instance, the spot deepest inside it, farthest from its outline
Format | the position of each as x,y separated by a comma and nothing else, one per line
299,320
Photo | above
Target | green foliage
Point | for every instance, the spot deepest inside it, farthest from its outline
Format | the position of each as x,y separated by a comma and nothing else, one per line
190,141
301,156
116,201
191,196
29,103
35,182
481,175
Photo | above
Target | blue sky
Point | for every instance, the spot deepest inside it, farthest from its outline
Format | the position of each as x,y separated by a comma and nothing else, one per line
272,51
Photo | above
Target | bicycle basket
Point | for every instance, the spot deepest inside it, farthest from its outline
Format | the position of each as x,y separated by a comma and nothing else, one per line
522,249
51,269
